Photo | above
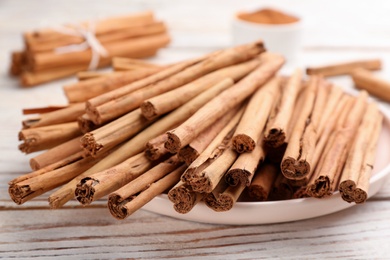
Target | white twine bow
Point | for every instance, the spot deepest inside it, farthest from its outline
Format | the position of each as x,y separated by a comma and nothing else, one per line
88,33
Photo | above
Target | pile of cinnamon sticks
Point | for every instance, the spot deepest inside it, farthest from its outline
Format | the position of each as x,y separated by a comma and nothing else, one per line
217,129
62,51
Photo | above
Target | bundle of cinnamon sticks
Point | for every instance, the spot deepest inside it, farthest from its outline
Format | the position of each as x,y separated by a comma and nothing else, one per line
61,51
217,129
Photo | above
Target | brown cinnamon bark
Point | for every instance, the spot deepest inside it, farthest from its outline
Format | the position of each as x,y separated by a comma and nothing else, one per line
103,183
56,165
155,149
119,63
170,100
328,172
137,48
114,133
46,137
28,189
255,117
344,68
102,26
297,160
65,115
122,207
208,114
85,75
214,150
243,169
94,103
56,154
183,197
83,90
223,199
281,188
277,131
85,124
361,191
117,107
189,153
121,34
262,182
136,144
355,163
376,86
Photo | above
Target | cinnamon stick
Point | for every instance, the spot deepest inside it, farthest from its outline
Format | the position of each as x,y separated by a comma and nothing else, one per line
102,183
205,180
56,154
106,137
103,26
189,153
121,208
356,164
376,86
161,104
117,107
223,199
213,151
85,124
328,174
262,182
135,48
208,114
243,169
28,189
297,160
361,191
183,197
65,115
119,63
154,149
281,189
255,117
46,137
164,73
137,143
83,90
85,75
344,68
276,132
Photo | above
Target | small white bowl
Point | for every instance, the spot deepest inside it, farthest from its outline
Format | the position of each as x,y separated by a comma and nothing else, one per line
285,39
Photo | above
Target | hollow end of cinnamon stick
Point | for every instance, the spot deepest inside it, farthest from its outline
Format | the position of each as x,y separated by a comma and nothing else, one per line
183,199
320,188
148,110
347,189
85,191
295,169
17,193
360,196
235,177
243,143
188,154
114,204
220,204
90,145
275,138
173,143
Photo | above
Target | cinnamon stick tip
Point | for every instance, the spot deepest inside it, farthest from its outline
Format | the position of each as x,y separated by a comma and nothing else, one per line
148,110
243,143
173,143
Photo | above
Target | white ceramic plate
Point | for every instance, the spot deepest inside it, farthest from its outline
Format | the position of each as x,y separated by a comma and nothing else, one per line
244,213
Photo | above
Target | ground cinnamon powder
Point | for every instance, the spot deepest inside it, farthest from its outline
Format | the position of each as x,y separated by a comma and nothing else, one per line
268,16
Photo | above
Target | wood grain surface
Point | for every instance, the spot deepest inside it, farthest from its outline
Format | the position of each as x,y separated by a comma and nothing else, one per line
334,31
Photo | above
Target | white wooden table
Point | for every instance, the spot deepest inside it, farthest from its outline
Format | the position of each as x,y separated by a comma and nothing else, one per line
334,31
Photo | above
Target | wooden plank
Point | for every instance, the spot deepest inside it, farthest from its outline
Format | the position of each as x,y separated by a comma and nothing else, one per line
92,233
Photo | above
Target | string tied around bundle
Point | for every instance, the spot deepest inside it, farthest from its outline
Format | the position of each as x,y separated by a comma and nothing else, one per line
90,42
